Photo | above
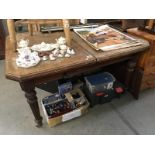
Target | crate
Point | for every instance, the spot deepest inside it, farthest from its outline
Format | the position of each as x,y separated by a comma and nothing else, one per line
71,114
99,82
106,95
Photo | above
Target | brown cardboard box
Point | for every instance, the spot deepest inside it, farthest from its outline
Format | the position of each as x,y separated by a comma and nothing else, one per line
70,115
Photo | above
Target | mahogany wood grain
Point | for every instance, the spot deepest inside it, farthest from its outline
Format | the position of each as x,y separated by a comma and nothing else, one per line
30,94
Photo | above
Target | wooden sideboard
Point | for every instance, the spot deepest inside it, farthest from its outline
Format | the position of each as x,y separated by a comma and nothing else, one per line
147,61
2,41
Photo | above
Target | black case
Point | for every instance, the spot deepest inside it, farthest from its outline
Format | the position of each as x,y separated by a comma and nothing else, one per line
110,94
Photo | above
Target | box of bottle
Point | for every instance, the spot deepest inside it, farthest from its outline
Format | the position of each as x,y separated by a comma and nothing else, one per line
58,110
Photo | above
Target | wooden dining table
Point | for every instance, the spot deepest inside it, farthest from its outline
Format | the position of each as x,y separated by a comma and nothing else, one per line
86,59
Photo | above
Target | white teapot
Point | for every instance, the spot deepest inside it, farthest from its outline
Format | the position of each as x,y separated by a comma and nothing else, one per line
25,55
61,41
27,59
23,43
23,50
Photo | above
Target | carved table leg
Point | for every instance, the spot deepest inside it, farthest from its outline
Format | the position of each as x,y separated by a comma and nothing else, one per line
136,82
133,77
30,94
130,69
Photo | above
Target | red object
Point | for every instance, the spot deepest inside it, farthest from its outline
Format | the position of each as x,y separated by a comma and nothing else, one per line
119,90
100,94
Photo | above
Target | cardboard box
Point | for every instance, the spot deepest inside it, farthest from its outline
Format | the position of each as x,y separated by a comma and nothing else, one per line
77,112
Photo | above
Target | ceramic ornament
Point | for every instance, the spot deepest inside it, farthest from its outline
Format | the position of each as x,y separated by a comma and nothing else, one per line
62,52
67,55
61,41
56,52
52,57
60,55
56,46
72,52
27,59
68,49
63,47
23,43
20,50
42,47
44,58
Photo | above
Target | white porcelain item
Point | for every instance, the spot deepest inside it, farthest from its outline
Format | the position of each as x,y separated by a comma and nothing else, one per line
27,59
67,55
20,50
70,51
63,47
62,52
44,58
56,46
23,43
56,52
42,47
61,41
52,57
60,55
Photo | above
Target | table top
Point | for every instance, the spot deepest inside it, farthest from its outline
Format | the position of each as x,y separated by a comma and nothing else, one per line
85,56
